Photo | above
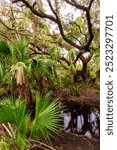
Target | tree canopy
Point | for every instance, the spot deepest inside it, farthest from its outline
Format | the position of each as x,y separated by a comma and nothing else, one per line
56,41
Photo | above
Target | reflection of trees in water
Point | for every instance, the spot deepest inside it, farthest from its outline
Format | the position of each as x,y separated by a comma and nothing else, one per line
82,119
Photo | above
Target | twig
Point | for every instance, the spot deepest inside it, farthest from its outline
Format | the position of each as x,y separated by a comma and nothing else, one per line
35,146
5,37
41,143
10,127
7,129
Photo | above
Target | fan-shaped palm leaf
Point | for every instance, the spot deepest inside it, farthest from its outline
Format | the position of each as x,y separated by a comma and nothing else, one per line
46,119
47,116
18,50
39,67
13,110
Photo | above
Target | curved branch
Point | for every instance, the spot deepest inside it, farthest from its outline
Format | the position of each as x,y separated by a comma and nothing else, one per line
78,56
88,18
37,13
61,29
90,4
57,20
75,4
4,36
6,25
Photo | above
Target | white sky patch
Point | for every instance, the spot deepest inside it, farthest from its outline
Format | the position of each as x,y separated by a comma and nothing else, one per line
8,1
64,52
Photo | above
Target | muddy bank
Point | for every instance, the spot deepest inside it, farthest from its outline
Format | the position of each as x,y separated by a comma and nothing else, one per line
72,141
89,96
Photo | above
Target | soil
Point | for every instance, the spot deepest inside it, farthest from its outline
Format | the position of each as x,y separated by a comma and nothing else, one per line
88,96
72,141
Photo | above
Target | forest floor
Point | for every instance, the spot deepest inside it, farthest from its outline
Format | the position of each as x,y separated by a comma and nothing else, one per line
72,141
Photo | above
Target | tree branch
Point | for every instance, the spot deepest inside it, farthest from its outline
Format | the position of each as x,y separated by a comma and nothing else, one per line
3,35
88,18
6,25
61,28
90,3
78,56
40,51
56,19
37,13
75,4
15,1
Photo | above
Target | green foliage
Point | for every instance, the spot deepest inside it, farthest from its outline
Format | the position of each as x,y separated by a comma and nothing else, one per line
39,67
94,65
5,55
18,50
14,111
74,90
97,86
72,54
84,85
4,144
4,48
54,82
46,119
54,52
72,69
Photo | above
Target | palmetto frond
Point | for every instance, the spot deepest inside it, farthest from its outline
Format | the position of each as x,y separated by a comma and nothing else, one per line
18,50
47,116
13,110
39,67
46,119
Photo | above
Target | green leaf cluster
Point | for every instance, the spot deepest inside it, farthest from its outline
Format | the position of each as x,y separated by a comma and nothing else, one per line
46,119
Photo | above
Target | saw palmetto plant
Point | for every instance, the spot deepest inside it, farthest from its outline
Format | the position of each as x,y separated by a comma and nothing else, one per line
13,112
47,117
18,123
